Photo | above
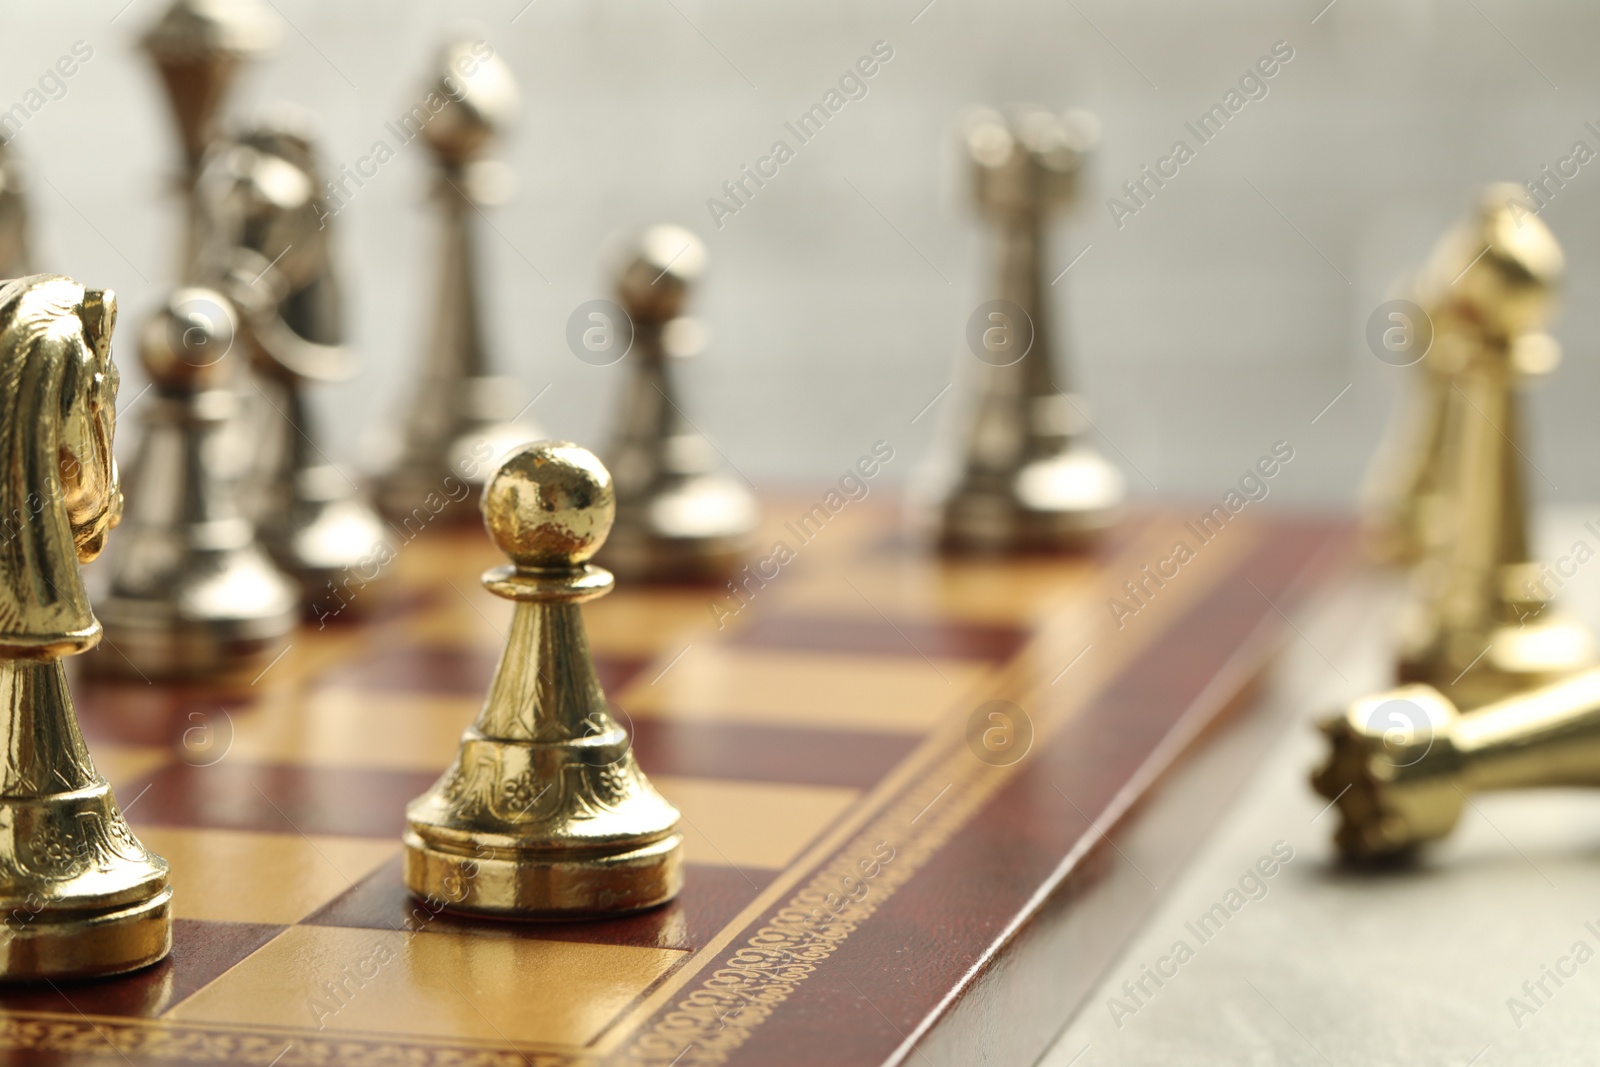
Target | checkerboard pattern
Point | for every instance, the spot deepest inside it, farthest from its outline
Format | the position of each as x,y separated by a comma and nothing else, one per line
280,802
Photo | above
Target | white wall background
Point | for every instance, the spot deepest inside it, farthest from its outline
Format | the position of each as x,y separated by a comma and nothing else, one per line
1204,330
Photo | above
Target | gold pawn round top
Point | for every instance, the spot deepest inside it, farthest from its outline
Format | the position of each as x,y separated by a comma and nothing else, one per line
184,345
549,506
1501,269
1519,241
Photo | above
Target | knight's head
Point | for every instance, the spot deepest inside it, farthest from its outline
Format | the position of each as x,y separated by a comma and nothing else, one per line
59,494
263,199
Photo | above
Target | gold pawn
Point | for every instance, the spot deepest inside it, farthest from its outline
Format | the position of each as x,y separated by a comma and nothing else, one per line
1482,626
545,814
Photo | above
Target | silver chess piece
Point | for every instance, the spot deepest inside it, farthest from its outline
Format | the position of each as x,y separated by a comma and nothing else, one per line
680,514
1027,479
267,210
15,252
198,47
462,416
191,593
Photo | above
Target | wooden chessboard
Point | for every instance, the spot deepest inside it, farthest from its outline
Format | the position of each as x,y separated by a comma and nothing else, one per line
877,869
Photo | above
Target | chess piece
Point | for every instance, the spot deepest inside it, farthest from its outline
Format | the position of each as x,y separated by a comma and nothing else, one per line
198,47
1404,491
192,593
80,894
679,514
1027,480
462,417
265,202
1406,498
1402,764
1483,626
14,248
544,813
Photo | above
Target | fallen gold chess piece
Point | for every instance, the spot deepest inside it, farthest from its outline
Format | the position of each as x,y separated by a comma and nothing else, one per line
1405,762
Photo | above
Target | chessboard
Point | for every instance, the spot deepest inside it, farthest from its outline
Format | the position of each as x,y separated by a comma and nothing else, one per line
926,801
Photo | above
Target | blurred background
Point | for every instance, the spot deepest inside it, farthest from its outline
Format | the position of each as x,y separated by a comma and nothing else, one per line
1228,314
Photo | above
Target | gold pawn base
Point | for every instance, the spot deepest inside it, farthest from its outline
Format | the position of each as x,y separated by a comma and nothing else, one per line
520,884
1514,659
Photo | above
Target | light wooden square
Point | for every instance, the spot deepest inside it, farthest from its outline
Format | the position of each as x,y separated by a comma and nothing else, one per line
340,727
834,691
751,824
239,876
392,985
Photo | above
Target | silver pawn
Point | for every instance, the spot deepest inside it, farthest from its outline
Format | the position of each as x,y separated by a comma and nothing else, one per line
460,422
265,200
680,515
1027,479
191,594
